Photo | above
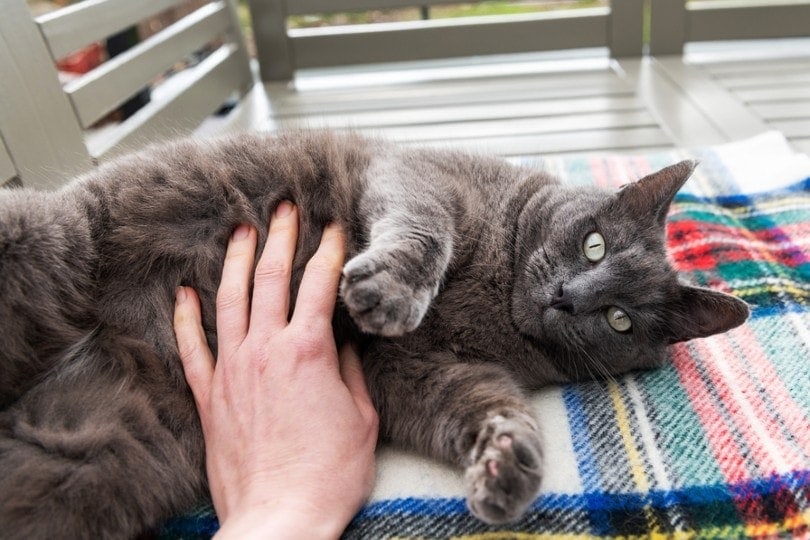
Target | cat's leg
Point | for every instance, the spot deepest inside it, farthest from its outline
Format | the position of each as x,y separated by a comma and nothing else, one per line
409,230
92,461
471,415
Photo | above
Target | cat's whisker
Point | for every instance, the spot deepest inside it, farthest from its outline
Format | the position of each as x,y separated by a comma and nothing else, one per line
602,372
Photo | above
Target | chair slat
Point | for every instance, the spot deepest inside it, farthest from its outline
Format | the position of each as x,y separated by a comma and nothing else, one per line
206,87
73,27
112,83
561,85
555,143
464,113
532,126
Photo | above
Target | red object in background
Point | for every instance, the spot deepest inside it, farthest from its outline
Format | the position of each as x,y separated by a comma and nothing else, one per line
82,60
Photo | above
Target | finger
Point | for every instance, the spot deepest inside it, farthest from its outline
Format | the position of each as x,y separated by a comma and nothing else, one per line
351,371
271,284
233,295
196,357
319,285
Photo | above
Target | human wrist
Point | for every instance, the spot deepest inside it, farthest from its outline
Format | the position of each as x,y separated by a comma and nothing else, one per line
280,525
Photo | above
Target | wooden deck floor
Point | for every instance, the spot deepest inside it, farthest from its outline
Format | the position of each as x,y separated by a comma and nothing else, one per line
550,104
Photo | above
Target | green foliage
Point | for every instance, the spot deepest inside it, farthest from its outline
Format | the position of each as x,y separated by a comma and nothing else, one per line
476,9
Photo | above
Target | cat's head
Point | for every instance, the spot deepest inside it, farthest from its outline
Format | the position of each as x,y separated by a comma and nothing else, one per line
593,286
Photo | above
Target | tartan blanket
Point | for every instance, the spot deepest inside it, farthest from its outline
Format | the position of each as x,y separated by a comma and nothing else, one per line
715,444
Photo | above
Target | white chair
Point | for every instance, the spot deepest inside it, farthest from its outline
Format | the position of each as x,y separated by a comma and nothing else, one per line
45,127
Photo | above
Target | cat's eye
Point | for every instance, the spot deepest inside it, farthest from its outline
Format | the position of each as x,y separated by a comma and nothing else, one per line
594,247
618,319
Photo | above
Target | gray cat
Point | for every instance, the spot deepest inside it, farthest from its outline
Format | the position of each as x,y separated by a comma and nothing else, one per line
468,282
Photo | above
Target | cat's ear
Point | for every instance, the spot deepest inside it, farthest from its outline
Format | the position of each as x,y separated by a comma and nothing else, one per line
702,312
652,195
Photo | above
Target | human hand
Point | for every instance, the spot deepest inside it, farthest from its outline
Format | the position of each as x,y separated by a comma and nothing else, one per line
289,426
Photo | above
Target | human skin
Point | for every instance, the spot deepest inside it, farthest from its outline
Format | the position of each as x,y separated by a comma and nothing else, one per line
289,426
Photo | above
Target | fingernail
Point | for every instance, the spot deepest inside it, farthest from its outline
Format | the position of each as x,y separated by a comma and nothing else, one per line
180,295
241,232
284,209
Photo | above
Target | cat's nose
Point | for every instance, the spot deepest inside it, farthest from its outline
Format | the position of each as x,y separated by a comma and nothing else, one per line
562,300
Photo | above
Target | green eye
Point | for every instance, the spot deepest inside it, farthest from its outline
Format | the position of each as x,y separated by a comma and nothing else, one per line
594,247
618,319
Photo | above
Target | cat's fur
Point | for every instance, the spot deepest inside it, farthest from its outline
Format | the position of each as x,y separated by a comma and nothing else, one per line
472,267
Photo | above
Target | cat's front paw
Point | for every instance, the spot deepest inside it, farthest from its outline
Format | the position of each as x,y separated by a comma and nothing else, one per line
379,298
505,474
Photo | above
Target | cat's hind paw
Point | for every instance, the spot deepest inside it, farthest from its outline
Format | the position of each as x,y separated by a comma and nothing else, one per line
505,475
379,300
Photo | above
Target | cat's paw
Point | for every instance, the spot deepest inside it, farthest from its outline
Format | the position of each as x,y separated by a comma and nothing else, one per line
505,474
379,300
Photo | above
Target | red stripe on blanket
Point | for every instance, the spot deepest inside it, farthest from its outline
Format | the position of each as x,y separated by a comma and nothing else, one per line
737,463
732,463
791,418
695,245
740,416
745,364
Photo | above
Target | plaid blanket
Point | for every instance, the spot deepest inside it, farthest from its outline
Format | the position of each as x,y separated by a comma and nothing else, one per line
715,444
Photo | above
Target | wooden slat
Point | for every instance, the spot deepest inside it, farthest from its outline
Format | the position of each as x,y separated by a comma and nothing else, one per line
517,126
782,111
557,81
208,85
7,168
741,52
417,97
488,111
773,93
747,66
394,42
746,19
112,83
601,140
754,79
77,25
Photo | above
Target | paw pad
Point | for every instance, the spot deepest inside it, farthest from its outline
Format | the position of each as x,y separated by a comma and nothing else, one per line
505,475
379,300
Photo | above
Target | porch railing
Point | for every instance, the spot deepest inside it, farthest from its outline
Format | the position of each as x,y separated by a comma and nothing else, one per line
675,22
281,50
619,28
